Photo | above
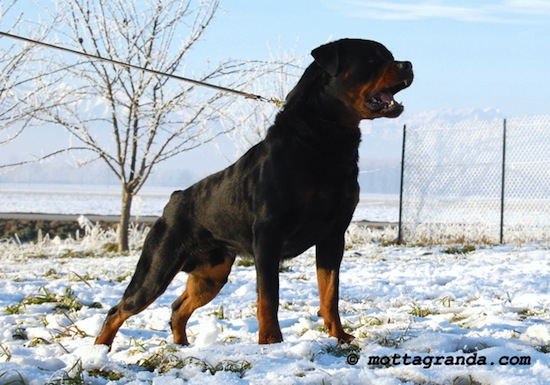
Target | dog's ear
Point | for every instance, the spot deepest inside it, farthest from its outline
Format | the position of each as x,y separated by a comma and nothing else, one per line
327,57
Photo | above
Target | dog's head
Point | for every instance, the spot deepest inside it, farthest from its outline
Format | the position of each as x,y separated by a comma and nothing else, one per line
363,75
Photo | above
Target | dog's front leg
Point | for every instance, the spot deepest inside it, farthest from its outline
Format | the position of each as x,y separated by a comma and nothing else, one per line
329,255
267,254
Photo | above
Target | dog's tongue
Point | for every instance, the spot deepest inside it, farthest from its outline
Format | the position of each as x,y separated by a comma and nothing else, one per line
386,97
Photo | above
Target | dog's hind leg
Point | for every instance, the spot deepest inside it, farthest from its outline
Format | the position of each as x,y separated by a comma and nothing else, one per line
329,255
203,284
157,266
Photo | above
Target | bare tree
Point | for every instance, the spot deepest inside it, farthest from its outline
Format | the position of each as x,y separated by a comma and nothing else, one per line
255,118
16,62
133,120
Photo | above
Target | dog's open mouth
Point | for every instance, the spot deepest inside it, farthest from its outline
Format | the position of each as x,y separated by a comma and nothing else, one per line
383,101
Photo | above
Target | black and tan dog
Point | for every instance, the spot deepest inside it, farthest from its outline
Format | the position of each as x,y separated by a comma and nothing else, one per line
295,189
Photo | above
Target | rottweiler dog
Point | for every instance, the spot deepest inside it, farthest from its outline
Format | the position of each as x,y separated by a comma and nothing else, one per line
295,189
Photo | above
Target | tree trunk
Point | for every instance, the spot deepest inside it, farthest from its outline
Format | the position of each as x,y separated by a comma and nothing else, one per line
124,223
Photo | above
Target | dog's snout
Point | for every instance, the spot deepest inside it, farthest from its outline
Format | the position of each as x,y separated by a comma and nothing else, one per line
404,65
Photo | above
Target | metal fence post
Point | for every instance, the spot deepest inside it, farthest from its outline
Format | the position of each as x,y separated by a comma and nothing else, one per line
400,230
503,181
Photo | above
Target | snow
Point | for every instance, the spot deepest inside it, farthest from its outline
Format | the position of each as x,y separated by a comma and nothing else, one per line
415,302
416,311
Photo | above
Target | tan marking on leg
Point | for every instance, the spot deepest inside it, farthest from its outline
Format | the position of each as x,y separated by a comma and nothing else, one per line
269,331
203,284
328,293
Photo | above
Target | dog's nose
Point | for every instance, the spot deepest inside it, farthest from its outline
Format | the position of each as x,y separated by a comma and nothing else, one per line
405,65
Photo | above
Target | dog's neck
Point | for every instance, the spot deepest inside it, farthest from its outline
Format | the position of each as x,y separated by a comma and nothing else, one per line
337,121
321,138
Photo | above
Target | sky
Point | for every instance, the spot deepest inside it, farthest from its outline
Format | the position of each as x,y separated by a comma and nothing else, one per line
468,56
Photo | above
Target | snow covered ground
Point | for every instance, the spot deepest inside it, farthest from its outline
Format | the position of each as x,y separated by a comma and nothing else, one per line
421,315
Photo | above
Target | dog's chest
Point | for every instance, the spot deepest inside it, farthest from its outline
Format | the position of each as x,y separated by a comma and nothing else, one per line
329,201
322,213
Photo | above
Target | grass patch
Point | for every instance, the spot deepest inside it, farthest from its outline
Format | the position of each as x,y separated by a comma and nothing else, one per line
454,250
165,360
5,353
38,341
51,274
419,311
370,321
219,314
244,262
80,254
107,374
394,340
38,256
458,319
339,350
20,334
123,278
284,267
74,376
110,247
13,309
63,302
445,301
526,313
343,350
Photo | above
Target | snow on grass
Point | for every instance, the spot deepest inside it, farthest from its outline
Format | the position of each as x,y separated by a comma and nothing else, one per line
421,315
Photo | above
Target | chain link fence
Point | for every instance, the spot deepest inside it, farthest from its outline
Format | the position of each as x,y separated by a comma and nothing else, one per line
477,181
